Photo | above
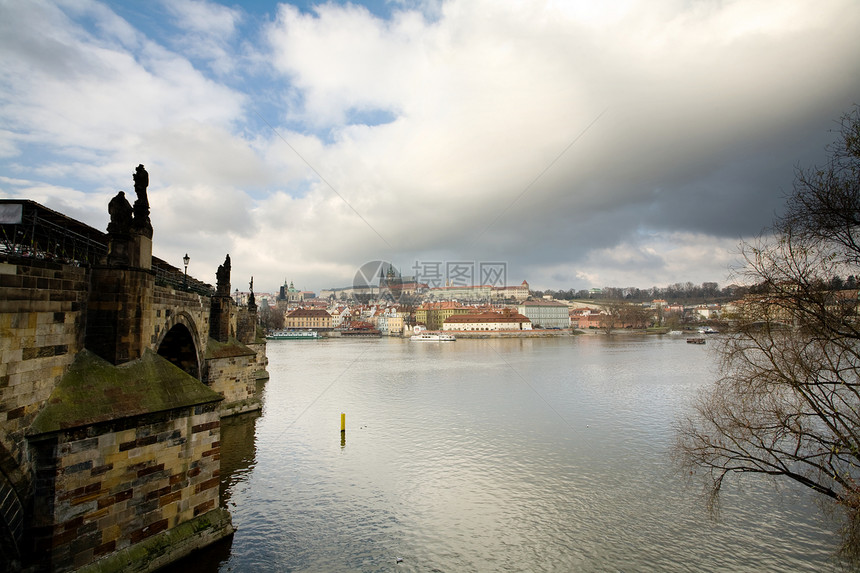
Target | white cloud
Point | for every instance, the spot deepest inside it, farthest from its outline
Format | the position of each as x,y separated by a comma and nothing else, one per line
91,208
484,150
207,29
659,259
207,18
68,90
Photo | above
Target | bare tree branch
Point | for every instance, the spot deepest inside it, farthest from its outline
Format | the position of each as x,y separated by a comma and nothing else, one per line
787,404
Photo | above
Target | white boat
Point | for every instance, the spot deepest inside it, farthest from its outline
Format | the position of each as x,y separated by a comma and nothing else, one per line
294,335
433,337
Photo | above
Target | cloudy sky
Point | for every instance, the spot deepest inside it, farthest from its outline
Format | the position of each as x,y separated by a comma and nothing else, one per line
583,144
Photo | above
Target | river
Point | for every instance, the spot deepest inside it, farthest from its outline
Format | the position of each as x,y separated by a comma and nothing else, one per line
491,455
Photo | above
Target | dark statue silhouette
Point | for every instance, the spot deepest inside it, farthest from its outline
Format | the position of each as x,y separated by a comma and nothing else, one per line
223,276
120,215
141,205
125,219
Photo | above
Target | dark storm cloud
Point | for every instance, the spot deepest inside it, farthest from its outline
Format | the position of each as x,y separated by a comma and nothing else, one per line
583,144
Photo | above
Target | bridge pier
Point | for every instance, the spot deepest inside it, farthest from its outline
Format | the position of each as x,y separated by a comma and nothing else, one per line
113,474
119,312
113,384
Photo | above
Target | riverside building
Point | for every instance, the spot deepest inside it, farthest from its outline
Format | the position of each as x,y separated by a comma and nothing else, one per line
545,313
488,320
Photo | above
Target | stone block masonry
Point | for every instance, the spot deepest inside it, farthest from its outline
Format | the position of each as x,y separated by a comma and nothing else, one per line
105,484
169,306
42,307
139,490
221,320
111,396
117,486
120,313
261,362
232,372
249,334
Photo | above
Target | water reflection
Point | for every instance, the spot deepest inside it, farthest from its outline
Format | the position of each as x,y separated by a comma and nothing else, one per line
238,452
539,455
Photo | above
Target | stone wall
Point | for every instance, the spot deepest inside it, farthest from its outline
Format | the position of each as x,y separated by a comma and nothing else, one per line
246,325
171,308
168,304
42,308
222,325
261,361
231,371
119,313
125,478
104,488
111,474
249,334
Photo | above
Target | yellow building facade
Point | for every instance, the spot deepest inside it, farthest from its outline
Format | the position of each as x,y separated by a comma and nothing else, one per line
434,314
308,319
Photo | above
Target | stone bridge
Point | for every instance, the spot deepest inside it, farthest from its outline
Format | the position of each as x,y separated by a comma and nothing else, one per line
115,371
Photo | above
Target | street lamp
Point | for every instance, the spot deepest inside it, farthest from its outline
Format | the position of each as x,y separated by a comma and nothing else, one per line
186,259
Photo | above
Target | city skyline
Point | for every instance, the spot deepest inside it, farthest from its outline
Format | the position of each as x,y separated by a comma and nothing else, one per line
630,144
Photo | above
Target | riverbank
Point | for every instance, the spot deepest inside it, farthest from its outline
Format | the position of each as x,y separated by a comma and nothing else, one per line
503,333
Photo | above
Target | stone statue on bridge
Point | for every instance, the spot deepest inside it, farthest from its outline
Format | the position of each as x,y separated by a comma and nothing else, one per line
252,303
120,212
222,287
129,230
141,205
119,231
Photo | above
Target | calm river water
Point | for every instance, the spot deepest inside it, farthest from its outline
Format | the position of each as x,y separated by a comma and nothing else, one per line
491,455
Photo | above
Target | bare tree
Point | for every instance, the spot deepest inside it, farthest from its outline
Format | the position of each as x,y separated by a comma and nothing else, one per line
617,314
271,318
788,401
610,316
636,316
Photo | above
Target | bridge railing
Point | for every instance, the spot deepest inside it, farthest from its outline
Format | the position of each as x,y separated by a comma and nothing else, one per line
30,230
169,276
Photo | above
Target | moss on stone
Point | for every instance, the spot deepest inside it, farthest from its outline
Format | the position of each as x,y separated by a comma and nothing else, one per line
94,391
168,546
241,406
229,349
259,335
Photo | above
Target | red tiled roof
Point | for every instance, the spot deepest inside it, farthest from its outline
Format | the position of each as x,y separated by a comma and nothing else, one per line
441,305
309,313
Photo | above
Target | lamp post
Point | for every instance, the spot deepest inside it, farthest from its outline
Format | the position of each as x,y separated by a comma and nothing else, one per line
186,259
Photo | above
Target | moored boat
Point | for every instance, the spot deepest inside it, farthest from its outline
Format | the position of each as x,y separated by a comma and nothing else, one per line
294,335
433,337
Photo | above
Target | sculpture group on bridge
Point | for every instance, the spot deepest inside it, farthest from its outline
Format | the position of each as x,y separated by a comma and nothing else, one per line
125,219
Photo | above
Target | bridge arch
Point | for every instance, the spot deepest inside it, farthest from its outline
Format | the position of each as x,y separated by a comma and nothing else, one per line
179,342
12,482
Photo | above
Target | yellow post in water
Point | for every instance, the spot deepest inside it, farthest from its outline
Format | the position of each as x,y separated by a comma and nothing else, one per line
342,422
